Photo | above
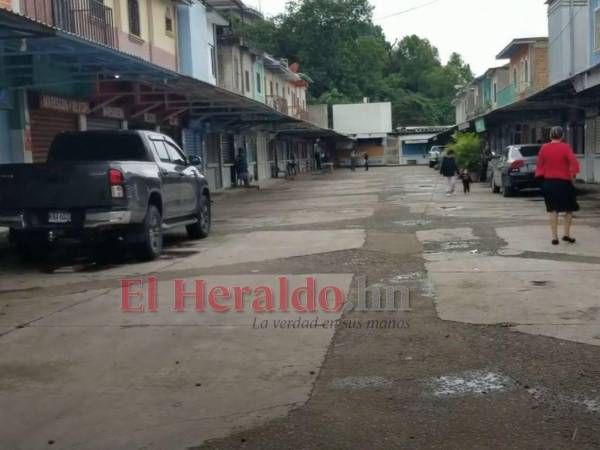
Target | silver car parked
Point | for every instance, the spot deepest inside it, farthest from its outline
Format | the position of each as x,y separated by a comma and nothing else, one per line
514,169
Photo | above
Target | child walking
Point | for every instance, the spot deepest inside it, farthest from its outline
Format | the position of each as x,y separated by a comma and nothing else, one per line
466,179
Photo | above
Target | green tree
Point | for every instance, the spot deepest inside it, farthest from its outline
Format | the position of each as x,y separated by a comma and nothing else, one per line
346,54
467,147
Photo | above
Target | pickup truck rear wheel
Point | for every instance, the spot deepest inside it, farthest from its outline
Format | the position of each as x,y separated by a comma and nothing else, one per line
201,229
151,246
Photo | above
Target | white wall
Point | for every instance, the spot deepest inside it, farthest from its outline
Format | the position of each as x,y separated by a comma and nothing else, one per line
319,115
363,118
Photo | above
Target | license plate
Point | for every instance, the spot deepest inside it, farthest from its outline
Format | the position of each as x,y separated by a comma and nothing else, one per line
59,217
531,167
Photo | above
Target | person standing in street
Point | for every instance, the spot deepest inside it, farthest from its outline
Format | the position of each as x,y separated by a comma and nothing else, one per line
318,158
557,166
241,166
466,180
367,162
449,169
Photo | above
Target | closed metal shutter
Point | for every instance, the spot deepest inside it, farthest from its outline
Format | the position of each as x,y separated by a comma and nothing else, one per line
45,125
192,142
95,123
597,136
227,149
213,142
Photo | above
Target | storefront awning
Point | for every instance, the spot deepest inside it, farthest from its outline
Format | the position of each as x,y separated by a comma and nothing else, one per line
115,73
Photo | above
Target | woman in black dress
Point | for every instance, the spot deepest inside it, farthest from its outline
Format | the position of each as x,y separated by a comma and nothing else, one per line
558,167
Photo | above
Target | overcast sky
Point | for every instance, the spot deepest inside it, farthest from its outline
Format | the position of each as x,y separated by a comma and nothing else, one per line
477,29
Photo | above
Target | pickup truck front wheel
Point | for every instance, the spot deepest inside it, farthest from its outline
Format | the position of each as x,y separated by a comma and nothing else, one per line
151,246
201,229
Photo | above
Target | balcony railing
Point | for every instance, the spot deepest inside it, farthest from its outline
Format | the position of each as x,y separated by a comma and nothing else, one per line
278,103
89,19
298,113
506,96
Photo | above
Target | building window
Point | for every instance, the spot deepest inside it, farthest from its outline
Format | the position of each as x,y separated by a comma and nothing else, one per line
258,83
271,88
169,20
238,74
277,88
525,71
247,79
133,9
213,59
515,77
495,92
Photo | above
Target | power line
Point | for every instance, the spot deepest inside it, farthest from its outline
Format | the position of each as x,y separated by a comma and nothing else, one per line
415,8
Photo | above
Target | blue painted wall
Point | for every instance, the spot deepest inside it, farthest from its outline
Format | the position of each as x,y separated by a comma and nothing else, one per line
193,34
414,149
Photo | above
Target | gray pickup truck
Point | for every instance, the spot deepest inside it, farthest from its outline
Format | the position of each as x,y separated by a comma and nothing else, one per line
101,185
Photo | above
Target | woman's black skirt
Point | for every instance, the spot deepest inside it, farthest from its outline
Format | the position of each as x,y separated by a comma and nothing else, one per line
560,196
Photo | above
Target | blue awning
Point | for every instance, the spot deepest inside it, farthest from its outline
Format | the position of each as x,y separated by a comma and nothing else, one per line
24,41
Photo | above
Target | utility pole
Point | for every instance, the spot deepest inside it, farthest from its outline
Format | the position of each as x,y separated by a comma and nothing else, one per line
572,33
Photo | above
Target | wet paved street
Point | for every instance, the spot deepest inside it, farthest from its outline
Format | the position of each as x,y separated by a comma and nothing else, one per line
500,349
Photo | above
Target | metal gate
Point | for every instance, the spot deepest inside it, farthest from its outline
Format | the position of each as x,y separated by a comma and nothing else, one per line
45,125
95,123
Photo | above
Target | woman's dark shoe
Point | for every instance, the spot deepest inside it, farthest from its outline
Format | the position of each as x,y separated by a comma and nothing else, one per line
570,240
555,242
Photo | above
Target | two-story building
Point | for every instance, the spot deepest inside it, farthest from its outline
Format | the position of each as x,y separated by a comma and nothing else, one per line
150,64
528,68
481,95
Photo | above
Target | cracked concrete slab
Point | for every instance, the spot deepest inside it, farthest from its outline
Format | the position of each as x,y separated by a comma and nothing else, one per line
398,244
173,381
536,238
519,291
585,334
297,218
289,203
215,252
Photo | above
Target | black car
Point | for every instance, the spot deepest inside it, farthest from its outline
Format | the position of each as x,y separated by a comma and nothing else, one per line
99,185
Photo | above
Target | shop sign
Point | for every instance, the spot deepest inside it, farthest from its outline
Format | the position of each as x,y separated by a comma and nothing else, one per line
64,105
149,118
480,125
113,112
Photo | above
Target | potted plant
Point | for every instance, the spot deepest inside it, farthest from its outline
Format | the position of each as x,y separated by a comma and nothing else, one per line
467,148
